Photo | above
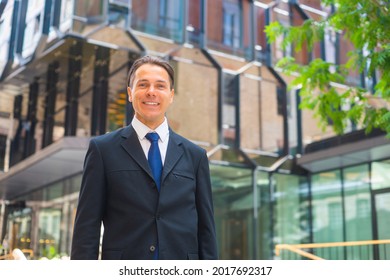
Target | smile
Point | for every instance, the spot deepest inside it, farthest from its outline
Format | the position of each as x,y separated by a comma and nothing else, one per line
151,103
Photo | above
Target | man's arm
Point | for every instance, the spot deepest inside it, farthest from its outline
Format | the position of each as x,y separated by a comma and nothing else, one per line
90,209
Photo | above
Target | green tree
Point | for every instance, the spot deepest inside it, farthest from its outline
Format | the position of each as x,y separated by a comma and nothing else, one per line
365,23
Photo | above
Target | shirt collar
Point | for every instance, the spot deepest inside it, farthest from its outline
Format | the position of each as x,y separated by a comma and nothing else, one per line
141,129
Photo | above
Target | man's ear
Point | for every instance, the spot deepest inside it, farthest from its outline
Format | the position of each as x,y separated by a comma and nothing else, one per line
172,95
129,93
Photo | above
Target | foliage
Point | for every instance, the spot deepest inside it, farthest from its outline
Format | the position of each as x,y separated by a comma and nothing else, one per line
366,25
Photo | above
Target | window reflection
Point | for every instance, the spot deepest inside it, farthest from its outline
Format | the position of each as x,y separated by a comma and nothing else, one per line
159,17
233,204
33,29
327,212
5,33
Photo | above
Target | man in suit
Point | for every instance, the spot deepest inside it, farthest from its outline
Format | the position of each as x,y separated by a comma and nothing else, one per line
146,214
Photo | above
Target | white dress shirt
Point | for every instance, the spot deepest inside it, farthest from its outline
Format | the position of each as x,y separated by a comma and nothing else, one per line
162,131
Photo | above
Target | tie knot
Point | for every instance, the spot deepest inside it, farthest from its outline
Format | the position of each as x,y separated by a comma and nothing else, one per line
152,137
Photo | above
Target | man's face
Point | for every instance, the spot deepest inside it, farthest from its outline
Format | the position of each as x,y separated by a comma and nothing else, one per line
151,94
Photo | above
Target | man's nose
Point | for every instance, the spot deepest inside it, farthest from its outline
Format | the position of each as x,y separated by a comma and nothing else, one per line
151,90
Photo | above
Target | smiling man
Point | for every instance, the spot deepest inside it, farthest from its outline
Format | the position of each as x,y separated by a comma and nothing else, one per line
149,186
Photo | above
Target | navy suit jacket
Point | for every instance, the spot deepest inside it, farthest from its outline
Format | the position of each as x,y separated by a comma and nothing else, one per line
118,189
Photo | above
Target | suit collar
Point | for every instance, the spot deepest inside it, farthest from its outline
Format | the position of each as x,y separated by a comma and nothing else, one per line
133,147
174,153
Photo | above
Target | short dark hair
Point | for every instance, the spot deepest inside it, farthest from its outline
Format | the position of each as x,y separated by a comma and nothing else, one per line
147,59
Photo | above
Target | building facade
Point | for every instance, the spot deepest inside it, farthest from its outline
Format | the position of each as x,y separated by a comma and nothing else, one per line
276,177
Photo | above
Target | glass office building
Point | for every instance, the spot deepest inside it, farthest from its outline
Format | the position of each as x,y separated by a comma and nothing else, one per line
276,177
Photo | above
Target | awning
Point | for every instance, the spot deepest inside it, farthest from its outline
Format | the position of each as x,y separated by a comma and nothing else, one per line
55,162
367,150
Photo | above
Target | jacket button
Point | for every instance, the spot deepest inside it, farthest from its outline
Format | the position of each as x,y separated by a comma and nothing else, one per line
152,248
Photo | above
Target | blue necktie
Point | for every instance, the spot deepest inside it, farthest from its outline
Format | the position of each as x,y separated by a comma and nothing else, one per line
154,158
155,163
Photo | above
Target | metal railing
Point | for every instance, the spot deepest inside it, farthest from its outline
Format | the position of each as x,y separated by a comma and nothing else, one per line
356,250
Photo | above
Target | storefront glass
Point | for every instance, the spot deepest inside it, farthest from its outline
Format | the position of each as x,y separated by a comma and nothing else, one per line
380,175
42,227
264,235
233,204
358,221
327,211
291,211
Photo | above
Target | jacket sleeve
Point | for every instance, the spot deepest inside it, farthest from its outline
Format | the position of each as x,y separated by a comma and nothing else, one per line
90,209
204,203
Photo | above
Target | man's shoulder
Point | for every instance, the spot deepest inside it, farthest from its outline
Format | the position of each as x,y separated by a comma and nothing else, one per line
109,137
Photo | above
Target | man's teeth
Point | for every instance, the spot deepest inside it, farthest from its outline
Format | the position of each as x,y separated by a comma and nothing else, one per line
151,103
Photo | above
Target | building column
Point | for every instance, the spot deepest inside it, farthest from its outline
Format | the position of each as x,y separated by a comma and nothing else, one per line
51,97
100,91
3,226
31,120
15,154
73,88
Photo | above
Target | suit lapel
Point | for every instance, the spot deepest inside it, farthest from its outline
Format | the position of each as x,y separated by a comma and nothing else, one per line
133,147
174,153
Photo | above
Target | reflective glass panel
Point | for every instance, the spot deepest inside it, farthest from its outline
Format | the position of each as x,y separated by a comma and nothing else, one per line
382,204
18,235
380,175
291,210
233,208
228,27
358,220
264,235
327,212
163,18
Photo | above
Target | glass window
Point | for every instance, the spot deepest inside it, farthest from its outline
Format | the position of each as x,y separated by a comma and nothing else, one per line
194,22
327,213
345,50
291,223
231,24
119,13
49,233
52,209
382,205
357,199
229,27
33,29
66,15
380,175
229,108
261,39
5,34
163,18
300,56
281,14
19,230
264,236
88,14
233,208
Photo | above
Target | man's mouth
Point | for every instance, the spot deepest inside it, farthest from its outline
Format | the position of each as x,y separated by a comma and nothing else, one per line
151,103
